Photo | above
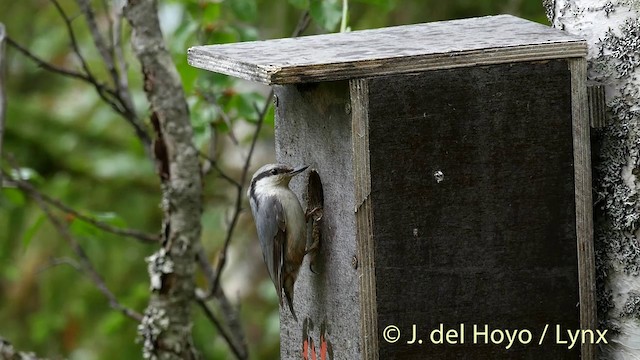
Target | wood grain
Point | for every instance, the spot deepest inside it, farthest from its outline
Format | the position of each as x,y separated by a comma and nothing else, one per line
584,210
313,127
597,105
364,218
393,50
493,239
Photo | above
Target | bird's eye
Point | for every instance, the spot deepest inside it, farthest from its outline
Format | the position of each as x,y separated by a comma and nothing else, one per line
274,171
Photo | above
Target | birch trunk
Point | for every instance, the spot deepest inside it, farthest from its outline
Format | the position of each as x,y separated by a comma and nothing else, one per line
612,31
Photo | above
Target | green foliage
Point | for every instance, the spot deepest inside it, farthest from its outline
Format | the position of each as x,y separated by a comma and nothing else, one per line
15,197
74,148
300,4
384,4
246,10
327,13
31,230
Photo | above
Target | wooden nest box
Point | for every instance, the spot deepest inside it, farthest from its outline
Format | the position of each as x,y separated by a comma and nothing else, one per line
457,189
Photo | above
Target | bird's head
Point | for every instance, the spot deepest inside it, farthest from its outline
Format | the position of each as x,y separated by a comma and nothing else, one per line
272,175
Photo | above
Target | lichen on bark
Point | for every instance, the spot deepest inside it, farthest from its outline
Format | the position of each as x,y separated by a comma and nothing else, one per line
612,31
165,330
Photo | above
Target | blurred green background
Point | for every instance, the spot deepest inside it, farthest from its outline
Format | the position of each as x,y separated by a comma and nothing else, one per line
81,152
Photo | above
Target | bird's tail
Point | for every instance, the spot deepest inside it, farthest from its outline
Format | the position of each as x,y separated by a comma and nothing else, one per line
289,281
290,303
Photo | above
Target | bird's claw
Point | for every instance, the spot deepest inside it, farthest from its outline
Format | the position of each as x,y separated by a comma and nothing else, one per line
314,214
312,251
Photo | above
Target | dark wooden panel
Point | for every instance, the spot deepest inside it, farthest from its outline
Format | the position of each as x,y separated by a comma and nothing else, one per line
494,242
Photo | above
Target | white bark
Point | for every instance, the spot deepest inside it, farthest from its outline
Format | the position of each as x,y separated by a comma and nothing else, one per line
612,31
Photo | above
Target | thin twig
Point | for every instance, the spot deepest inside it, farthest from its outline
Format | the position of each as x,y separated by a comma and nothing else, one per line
109,59
56,69
98,40
135,234
230,313
118,99
72,37
120,105
213,101
222,257
123,81
212,152
61,261
213,164
107,94
111,26
214,320
107,52
7,351
84,261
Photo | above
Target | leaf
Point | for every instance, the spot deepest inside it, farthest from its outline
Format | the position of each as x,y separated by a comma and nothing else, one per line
300,4
84,229
110,218
386,4
223,35
243,105
327,13
245,10
269,117
31,231
15,196
211,12
112,323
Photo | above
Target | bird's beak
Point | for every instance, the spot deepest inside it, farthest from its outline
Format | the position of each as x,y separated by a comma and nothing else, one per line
298,171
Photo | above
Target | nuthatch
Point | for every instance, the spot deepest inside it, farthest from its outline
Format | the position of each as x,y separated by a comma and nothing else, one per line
281,225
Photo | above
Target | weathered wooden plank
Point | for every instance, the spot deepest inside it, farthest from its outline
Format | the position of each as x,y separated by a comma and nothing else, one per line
364,219
313,127
597,105
394,50
474,216
584,210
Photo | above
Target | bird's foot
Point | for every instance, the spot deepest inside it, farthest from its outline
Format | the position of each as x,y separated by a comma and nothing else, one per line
314,214
312,251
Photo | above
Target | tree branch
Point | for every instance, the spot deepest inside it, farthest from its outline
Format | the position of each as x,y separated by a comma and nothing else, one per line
230,314
8,352
303,23
72,37
222,257
29,189
119,99
58,70
211,98
123,80
98,40
213,164
109,52
85,263
124,105
239,352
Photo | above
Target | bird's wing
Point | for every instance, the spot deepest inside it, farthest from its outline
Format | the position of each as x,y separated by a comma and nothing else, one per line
272,234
